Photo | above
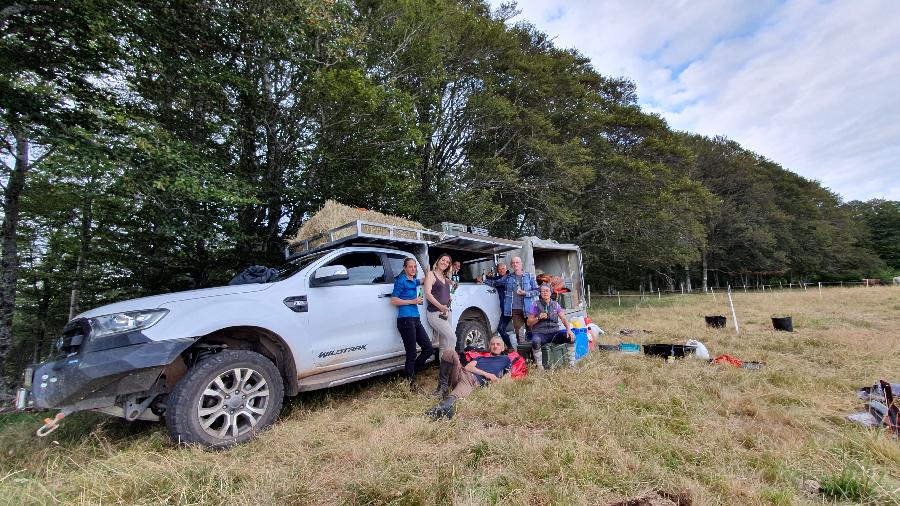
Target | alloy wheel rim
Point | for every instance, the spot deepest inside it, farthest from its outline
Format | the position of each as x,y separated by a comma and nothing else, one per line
233,403
475,338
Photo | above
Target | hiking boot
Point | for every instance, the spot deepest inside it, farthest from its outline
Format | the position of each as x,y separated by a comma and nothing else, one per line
570,355
538,359
444,409
443,386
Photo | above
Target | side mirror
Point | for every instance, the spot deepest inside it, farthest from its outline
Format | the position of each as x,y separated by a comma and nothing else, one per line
328,274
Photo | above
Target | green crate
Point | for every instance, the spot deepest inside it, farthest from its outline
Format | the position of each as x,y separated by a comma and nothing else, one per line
553,355
524,349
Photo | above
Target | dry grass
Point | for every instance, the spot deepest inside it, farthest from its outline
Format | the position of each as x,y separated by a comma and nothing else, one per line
617,427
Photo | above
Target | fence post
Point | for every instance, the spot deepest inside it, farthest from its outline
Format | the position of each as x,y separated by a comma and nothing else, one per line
658,294
713,292
589,296
820,289
620,299
737,329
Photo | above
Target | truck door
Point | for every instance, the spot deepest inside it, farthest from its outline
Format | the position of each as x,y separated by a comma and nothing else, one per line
352,320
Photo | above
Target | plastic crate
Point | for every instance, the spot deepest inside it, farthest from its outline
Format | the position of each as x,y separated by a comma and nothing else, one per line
629,348
668,350
553,356
566,300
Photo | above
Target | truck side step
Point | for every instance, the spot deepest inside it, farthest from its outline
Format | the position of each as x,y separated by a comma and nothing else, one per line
350,374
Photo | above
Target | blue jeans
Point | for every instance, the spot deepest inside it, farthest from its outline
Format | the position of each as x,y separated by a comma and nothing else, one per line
501,330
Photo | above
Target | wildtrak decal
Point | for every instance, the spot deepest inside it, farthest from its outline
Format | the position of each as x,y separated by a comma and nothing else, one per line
340,351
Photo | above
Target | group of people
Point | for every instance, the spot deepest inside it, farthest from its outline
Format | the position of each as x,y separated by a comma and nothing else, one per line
523,302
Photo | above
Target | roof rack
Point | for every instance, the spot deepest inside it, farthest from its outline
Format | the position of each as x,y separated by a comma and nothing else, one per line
377,233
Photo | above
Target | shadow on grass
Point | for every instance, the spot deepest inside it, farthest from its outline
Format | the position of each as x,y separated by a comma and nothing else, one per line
17,429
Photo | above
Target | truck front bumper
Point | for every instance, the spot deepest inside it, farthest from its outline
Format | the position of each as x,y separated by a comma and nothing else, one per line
94,379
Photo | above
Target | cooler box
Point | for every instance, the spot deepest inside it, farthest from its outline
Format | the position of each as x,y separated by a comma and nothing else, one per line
553,355
581,342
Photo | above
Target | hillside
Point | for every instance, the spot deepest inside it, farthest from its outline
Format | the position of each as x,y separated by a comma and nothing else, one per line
617,427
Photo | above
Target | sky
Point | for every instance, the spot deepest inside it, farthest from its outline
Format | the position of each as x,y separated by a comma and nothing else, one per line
811,85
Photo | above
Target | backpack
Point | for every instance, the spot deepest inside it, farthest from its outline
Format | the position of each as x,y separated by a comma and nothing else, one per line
518,370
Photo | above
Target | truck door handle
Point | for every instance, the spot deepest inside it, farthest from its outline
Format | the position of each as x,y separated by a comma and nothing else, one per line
383,295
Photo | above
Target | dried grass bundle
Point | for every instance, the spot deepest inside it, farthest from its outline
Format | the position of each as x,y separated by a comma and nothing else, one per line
334,214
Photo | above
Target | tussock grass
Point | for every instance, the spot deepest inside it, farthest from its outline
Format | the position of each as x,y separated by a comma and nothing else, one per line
618,426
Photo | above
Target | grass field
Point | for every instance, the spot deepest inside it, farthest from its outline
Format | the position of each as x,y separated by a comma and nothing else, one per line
617,427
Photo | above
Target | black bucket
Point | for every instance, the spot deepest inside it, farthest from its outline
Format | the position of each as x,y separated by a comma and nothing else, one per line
783,323
715,321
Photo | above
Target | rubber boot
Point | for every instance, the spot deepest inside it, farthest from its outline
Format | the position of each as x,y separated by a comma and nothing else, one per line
443,385
444,408
538,359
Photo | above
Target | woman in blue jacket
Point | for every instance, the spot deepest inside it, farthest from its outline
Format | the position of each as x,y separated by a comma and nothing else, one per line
407,298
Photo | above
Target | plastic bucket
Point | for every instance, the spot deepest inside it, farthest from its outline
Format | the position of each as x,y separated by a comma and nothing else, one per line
783,323
715,321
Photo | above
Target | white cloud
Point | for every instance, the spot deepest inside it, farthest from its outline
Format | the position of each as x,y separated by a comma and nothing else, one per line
811,85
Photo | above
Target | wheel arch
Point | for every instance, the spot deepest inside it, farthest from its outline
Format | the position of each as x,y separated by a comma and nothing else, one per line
261,340
475,313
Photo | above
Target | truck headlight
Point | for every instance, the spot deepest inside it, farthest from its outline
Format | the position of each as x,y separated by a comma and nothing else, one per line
111,324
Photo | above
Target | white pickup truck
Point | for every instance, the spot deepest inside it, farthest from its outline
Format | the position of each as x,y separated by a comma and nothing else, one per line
216,363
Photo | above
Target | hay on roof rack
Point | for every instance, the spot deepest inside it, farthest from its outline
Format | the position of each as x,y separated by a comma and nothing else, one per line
334,214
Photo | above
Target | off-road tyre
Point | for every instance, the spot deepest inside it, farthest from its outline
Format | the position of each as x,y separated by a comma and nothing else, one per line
205,386
473,333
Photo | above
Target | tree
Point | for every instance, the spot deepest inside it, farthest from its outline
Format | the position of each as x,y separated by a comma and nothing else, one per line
54,56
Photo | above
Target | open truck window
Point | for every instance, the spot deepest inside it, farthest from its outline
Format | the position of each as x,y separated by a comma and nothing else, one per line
364,268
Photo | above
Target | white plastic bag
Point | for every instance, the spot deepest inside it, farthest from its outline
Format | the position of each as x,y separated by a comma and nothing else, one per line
700,350
596,329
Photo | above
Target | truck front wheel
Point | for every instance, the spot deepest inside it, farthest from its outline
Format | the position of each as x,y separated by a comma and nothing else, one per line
225,399
473,333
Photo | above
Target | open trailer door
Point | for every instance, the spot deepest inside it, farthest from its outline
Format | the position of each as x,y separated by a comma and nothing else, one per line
541,256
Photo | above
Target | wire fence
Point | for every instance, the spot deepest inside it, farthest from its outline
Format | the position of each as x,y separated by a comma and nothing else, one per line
761,288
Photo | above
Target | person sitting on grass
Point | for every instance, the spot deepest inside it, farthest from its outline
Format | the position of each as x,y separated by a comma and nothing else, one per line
543,318
478,372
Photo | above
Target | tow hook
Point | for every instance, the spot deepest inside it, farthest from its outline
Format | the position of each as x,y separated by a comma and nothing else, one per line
51,424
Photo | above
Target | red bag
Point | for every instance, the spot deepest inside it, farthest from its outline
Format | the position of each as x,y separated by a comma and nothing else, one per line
519,369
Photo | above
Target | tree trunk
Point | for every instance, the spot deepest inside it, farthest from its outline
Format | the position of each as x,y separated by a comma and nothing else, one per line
705,273
9,263
687,278
85,237
43,314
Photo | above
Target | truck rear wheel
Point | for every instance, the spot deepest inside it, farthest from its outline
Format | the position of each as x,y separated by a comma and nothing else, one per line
473,333
225,399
